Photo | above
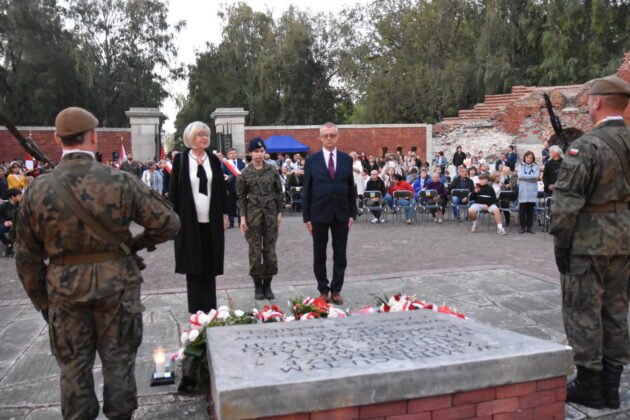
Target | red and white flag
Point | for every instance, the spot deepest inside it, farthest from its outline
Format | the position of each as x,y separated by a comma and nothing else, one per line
162,152
123,155
28,161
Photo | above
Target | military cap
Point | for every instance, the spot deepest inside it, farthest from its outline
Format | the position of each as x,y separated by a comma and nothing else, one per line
610,85
74,120
256,143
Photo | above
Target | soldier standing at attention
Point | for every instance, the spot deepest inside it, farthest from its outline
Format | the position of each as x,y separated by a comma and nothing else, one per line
591,225
89,292
259,192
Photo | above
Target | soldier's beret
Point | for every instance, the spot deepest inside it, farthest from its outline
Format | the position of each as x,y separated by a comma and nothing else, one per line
610,85
256,143
74,120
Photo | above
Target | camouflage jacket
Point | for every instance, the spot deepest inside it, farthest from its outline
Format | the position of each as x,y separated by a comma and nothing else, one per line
591,174
132,168
259,194
46,228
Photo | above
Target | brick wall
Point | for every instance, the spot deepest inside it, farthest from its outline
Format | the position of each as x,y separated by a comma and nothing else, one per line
535,400
359,138
108,142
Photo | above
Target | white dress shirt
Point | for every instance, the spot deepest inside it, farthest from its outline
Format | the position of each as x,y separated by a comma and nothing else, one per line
327,156
202,202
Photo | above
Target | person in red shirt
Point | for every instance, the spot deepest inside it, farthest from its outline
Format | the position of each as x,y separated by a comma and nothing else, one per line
407,204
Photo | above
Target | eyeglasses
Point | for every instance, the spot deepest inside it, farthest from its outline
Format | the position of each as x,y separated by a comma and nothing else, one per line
328,136
202,135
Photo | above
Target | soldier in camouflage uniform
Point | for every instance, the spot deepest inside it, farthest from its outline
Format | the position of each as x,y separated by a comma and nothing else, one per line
89,291
131,166
591,225
259,192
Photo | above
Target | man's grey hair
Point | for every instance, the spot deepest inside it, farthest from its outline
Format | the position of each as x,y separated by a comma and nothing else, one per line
192,129
328,125
557,149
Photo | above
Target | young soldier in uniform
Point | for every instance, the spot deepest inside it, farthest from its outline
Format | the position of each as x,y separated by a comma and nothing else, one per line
259,192
89,292
591,225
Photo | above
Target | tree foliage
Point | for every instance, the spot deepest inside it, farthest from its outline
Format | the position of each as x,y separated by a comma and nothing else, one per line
401,61
104,55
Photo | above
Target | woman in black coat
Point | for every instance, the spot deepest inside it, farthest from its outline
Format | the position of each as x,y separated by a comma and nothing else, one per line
199,194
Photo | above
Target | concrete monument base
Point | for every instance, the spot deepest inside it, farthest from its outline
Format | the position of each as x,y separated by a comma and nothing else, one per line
418,364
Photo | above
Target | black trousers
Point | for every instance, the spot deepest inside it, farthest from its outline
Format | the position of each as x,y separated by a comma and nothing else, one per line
4,231
526,214
339,233
233,208
201,288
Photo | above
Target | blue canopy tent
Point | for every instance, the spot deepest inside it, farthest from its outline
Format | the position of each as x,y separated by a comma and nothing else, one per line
284,144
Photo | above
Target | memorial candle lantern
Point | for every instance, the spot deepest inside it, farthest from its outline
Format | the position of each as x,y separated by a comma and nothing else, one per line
162,374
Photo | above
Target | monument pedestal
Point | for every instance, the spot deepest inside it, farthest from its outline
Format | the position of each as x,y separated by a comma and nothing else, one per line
408,365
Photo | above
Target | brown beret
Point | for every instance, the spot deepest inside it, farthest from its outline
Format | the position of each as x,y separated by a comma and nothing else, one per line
74,120
610,85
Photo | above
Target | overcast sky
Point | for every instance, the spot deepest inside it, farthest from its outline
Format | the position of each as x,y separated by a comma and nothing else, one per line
203,25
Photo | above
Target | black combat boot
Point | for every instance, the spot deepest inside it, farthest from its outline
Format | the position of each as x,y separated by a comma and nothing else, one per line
610,379
258,291
586,388
267,288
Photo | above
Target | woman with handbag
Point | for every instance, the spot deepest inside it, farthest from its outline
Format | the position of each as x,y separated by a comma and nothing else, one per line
199,195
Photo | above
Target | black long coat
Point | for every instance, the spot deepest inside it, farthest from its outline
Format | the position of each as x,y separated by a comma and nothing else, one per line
188,258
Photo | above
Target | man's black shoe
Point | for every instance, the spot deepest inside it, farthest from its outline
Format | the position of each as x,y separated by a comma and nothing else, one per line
530,230
610,379
521,230
586,388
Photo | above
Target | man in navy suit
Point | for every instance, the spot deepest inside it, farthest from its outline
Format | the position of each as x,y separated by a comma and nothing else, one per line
232,168
329,203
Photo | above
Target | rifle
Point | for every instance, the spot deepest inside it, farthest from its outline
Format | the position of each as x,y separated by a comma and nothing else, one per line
28,144
555,122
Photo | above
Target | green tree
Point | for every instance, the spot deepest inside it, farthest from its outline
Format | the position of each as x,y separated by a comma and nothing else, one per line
37,68
124,52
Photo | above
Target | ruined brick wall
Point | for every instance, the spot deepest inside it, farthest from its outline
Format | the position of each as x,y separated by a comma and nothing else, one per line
359,138
523,123
109,140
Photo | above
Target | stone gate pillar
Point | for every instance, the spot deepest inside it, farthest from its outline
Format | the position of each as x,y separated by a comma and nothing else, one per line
231,121
145,126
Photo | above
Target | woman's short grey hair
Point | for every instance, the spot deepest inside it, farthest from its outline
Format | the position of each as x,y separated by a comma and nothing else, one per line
192,129
557,149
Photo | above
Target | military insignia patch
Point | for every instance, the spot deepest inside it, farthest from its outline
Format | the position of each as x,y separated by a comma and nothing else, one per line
574,152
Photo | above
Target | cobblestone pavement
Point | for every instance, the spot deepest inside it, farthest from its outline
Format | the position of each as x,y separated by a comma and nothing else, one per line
504,281
374,251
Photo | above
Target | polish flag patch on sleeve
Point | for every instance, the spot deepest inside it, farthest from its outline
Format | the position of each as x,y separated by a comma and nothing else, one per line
574,152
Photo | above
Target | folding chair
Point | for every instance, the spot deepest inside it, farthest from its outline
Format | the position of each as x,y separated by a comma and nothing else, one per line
540,209
461,193
374,201
511,198
404,195
295,194
428,201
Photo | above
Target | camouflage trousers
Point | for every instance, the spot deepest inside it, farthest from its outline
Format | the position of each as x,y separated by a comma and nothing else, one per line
113,327
595,309
263,261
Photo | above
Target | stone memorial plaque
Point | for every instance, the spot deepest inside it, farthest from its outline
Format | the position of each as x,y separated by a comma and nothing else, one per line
273,369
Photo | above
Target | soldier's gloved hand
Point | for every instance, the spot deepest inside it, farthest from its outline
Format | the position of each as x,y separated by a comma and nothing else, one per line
45,314
562,259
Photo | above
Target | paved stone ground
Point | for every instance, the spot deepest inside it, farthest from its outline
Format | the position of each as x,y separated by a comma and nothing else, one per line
508,282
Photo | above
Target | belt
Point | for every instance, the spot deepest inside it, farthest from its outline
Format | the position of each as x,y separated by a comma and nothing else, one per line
610,207
93,258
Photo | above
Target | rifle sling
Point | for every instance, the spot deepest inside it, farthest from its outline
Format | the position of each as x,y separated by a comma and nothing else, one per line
69,200
614,144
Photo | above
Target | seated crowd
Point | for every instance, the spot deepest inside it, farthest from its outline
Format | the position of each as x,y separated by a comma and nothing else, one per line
394,182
